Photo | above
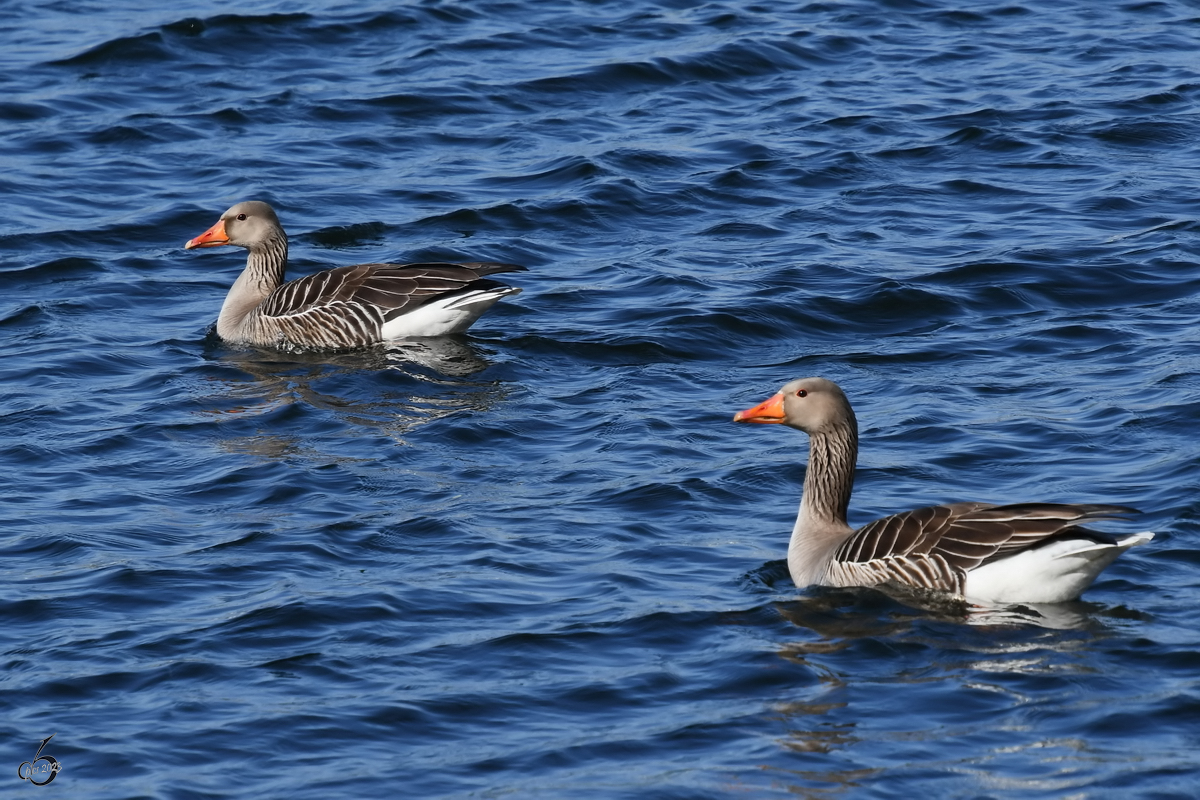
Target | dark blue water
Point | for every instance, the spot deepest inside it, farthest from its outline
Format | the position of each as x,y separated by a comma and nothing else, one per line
539,561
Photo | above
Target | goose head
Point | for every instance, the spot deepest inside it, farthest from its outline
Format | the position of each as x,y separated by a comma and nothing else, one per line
812,405
249,224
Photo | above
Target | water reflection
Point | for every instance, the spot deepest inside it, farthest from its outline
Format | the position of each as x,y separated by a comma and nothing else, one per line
813,738
903,606
445,356
1054,616
898,673
392,389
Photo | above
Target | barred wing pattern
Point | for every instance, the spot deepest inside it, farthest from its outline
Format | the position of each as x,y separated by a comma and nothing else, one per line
934,547
348,306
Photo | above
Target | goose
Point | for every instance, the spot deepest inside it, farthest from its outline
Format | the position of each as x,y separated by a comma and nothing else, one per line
344,307
978,552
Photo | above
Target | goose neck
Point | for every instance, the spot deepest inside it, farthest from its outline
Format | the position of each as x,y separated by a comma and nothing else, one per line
266,265
829,478
821,524
267,262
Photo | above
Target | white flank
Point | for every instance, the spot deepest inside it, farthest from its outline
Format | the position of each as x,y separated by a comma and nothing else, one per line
444,315
1053,573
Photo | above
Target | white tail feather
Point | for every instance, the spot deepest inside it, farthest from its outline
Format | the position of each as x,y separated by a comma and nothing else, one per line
1053,573
445,315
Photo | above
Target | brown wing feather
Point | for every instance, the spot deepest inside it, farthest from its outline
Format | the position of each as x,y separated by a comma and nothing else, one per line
966,535
392,289
917,570
914,531
1029,524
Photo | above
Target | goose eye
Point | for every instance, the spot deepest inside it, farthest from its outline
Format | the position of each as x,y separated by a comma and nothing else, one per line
801,393
241,216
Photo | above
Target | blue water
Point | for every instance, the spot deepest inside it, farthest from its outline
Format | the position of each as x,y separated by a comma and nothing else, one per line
538,560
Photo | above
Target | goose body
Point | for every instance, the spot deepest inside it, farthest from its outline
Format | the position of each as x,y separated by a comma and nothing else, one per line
344,307
1023,552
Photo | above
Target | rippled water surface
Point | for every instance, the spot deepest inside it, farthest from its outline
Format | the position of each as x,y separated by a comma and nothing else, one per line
538,560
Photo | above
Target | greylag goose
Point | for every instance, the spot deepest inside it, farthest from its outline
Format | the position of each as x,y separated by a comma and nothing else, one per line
344,307
1020,553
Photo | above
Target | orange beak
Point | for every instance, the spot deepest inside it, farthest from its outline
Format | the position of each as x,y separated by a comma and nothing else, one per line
213,237
769,410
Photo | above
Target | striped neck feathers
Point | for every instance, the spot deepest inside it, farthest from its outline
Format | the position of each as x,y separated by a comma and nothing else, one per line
821,524
265,268
829,479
